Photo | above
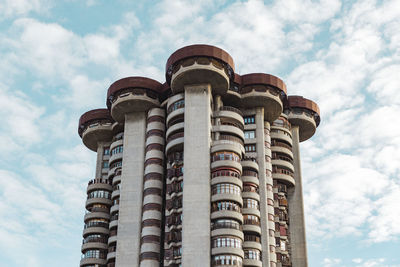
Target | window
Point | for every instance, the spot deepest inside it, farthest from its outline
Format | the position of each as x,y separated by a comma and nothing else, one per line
250,203
232,242
250,148
227,260
105,164
249,120
249,134
106,151
253,254
226,189
118,149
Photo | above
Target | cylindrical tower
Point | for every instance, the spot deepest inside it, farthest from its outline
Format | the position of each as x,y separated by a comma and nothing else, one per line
226,186
153,189
95,129
304,117
198,71
263,94
129,100
174,181
283,173
95,233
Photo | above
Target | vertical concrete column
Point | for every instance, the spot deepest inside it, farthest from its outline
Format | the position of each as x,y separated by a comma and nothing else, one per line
296,209
130,209
260,148
99,160
196,191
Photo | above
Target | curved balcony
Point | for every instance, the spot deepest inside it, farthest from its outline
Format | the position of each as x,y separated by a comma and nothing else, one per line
176,101
226,196
227,250
252,263
94,245
251,228
283,176
283,163
251,211
282,136
117,179
175,143
115,194
226,163
155,140
250,179
282,148
99,184
93,262
226,232
154,154
227,214
230,129
175,128
118,142
226,112
252,244
155,125
227,179
249,164
95,230
98,200
224,145
114,209
115,157
176,113
111,255
113,224
112,239
200,64
252,195
96,215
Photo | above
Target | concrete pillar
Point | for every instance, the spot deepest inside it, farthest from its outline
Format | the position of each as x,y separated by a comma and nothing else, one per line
196,191
260,148
296,209
130,209
99,160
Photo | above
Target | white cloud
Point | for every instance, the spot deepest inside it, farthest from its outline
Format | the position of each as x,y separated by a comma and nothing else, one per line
20,118
10,8
331,262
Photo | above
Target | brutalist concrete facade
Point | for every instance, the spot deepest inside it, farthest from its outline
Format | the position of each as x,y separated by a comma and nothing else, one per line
203,170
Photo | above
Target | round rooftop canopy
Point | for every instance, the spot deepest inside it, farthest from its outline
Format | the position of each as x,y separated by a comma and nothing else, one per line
295,101
198,50
93,115
132,82
263,78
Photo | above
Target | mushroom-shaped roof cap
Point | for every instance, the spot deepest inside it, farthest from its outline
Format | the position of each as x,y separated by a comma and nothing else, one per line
263,78
199,50
129,82
92,115
296,101
237,79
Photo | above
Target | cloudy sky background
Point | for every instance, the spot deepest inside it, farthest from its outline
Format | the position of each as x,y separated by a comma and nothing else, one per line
57,59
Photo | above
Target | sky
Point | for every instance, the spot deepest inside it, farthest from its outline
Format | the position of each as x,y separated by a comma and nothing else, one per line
57,59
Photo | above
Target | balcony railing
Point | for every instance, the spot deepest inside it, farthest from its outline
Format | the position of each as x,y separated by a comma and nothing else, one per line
227,108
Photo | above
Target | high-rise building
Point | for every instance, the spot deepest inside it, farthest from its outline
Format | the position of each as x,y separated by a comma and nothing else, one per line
203,170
